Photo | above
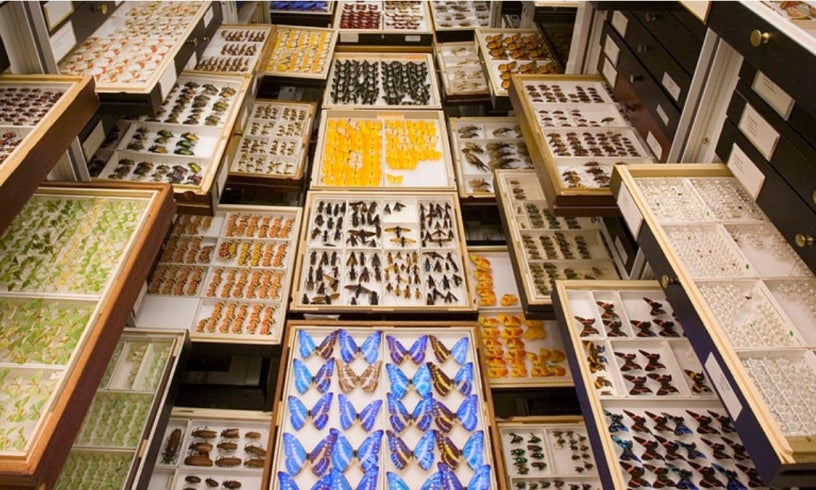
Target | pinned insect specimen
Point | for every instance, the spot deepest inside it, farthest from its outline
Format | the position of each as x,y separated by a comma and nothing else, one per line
171,448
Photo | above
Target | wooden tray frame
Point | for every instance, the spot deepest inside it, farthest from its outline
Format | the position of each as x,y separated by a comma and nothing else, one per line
28,165
262,52
53,440
488,415
466,308
383,36
263,65
564,201
781,460
386,114
463,96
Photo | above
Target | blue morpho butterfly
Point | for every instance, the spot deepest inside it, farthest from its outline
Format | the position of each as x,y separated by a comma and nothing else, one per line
368,453
459,351
398,353
473,450
307,346
467,413
463,380
320,457
400,418
348,414
401,454
304,378
400,382
370,349
444,479
299,414
336,480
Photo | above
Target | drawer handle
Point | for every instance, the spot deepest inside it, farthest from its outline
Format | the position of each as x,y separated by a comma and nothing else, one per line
666,281
102,9
635,78
642,48
650,17
813,197
759,38
803,240
193,41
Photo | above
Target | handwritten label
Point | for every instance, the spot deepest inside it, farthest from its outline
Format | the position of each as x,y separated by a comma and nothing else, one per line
93,141
758,131
167,80
773,94
746,171
349,37
723,387
662,114
611,50
629,210
208,17
413,39
671,86
63,41
610,73
620,22
56,12
654,145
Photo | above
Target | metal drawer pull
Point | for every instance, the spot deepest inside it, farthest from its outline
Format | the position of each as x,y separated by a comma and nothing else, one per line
666,281
758,38
642,48
635,78
102,9
803,240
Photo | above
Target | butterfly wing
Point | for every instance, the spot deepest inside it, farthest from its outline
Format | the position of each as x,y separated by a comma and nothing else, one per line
398,352
399,381
295,454
371,347
481,479
433,483
306,346
368,415
303,378
338,480
449,480
320,412
417,350
397,413
464,379
395,349
440,351
443,416
473,450
395,482
369,451
326,347
348,347
460,350
440,381
370,378
448,452
324,483
286,482
424,450
347,412
298,412
422,380
467,413
400,453
369,480
343,453
321,454
346,377
423,413
323,377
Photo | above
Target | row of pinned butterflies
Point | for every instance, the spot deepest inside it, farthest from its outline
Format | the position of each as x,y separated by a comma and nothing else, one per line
370,347
333,455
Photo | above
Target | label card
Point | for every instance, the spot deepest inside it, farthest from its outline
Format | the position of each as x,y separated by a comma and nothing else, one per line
654,145
662,114
63,41
620,22
758,131
773,94
610,73
56,12
749,175
167,80
629,210
671,86
611,50
720,382
208,17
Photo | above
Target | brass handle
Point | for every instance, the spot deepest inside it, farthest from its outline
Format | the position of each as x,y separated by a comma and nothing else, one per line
666,281
758,38
813,197
650,17
642,48
803,240
193,41
101,8
635,78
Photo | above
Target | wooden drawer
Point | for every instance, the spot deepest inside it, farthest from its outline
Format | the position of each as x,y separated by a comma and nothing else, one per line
668,73
791,214
783,57
678,31
642,100
792,157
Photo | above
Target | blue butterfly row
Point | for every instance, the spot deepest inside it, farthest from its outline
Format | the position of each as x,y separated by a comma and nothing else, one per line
426,377
426,411
369,349
334,454
443,479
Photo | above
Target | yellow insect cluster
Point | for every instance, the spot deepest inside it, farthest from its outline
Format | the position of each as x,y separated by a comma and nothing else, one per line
484,284
506,339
